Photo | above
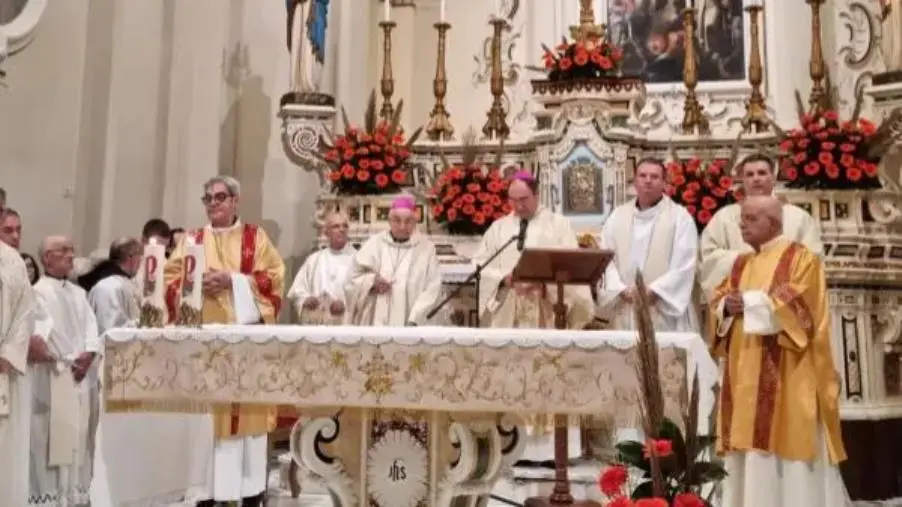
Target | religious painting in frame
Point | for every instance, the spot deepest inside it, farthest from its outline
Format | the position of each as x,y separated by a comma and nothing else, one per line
650,32
582,189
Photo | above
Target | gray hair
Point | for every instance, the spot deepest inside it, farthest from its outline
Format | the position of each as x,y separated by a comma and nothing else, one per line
8,212
123,248
230,183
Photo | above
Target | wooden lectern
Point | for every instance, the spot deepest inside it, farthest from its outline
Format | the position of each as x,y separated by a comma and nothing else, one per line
561,267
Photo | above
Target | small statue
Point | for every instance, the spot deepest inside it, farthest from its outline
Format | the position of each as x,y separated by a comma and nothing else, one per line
891,41
307,25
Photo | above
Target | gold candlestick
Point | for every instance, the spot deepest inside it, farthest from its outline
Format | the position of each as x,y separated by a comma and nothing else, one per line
496,127
387,84
587,28
817,99
694,119
755,110
439,126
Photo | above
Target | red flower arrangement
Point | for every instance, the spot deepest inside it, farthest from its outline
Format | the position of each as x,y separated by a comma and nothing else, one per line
827,153
701,190
466,199
371,160
582,59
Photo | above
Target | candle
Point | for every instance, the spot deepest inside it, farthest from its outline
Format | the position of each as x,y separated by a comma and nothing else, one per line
441,12
154,261
193,276
387,10
497,8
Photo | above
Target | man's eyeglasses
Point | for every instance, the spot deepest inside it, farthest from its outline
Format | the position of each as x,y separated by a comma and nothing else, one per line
216,198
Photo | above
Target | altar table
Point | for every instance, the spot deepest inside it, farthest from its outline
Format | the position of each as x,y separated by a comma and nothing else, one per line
402,417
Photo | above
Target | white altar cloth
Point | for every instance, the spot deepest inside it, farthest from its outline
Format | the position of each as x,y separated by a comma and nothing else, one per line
422,368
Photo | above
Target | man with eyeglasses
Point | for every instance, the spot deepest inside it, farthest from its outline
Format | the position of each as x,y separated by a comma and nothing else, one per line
65,390
242,285
395,278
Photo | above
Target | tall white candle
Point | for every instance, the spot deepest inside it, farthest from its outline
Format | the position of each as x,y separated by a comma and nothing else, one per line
387,10
154,261
497,13
441,12
193,275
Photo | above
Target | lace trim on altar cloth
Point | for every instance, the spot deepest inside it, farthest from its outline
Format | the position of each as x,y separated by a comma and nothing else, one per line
78,497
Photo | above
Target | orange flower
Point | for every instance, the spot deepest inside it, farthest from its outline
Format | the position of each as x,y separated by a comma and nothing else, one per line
791,173
581,58
363,163
347,171
704,216
334,176
381,180
390,161
398,176
363,175
870,169
812,168
832,171
566,63
377,165
469,209
437,210
478,218
473,187
452,215
708,203
853,173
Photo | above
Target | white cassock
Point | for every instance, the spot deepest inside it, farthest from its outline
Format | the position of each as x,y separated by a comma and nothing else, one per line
501,307
115,301
661,242
323,275
413,269
16,325
64,413
721,241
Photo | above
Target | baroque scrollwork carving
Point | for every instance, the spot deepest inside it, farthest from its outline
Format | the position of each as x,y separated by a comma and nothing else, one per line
303,128
662,113
306,444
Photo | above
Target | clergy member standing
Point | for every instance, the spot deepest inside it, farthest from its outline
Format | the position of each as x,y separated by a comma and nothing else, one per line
395,278
242,285
721,242
318,293
778,420
16,323
653,235
507,303
115,298
65,392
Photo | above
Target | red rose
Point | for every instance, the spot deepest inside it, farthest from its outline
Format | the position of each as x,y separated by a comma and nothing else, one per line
381,180
566,63
691,209
660,448
811,168
825,157
870,169
581,58
612,480
847,160
688,500
832,171
853,173
704,216
708,203
725,182
651,502
786,146
831,115
688,197
620,501
791,173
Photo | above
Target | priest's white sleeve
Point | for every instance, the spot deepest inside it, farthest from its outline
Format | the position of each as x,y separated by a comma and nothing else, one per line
432,292
717,259
104,300
17,327
301,287
612,285
93,340
246,311
811,235
758,314
674,288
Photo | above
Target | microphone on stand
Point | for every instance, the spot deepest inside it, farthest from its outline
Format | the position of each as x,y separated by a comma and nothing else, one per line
521,236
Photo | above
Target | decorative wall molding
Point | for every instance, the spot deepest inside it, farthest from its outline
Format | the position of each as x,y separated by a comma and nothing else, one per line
19,32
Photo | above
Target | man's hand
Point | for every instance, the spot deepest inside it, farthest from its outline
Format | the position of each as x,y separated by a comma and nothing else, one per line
311,303
733,305
81,365
628,295
381,285
38,351
337,308
216,281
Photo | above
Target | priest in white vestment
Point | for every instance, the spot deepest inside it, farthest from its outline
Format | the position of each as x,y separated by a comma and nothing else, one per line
116,298
64,392
318,292
506,303
16,324
395,278
721,242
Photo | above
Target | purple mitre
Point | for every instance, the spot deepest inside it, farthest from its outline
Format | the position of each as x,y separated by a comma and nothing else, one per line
524,176
407,202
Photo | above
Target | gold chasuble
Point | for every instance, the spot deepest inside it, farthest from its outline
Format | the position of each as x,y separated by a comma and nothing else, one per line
778,389
244,249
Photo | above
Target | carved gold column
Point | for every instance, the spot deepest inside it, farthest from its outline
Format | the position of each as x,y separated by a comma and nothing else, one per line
694,119
387,83
439,127
755,109
496,127
818,100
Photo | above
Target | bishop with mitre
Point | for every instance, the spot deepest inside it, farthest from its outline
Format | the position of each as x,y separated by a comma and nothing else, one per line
657,237
242,284
395,278
505,302
721,242
778,418
318,292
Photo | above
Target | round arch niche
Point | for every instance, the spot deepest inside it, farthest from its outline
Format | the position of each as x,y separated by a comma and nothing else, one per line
18,20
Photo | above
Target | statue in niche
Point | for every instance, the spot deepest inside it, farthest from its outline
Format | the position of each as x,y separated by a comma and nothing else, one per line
582,188
891,41
306,31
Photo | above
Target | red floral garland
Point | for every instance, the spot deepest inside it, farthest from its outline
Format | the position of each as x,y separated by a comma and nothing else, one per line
701,190
368,162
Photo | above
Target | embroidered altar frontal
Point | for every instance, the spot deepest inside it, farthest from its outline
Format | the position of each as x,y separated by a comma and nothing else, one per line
448,369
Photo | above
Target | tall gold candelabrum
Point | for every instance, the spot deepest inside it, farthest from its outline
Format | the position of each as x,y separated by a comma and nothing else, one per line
587,28
496,127
387,83
818,100
439,127
694,119
755,109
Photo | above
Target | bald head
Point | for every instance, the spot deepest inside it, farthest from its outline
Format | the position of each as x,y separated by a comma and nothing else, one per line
335,229
57,256
761,219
